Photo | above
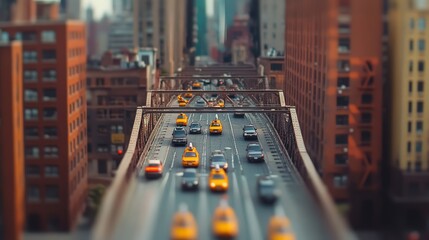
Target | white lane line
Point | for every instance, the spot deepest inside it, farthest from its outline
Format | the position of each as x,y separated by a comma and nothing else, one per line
235,143
172,162
204,155
252,218
203,209
201,115
232,161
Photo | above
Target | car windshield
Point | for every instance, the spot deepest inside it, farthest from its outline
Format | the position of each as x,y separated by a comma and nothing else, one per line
195,125
266,183
180,117
179,132
218,158
218,176
224,218
181,222
254,148
281,229
190,154
247,128
189,175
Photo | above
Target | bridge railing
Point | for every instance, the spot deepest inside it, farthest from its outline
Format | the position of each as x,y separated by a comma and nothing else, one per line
289,131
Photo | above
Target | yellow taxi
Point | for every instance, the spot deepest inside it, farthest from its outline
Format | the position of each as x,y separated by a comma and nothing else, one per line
182,120
279,229
184,226
224,224
220,103
188,94
196,85
216,126
190,157
218,180
182,101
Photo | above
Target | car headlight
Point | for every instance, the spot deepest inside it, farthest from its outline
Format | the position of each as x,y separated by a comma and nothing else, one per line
225,184
226,165
212,184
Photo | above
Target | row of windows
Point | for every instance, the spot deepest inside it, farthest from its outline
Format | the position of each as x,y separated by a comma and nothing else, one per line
32,114
75,124
343,139
80,155
34,152
420,66
418,146
421,44
419,109
418,127
47,36
343,120
113,81
49,75
32,95
81,174
49,171
117,100
76,87
110,114
104,129
421,23
104,148
76,35
76,69
48,133
343,101
32,56
52,193
76,105
74,52
420,86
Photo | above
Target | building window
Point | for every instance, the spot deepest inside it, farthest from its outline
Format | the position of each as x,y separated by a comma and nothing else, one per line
366,98
420,86
343,28
341,158
341,139
49,94
48,36
419,127
30,95
365,136
50,152
343,65
422,45
33,194
419,107
29,56
410,127
31,114
366,117
421,24
52,193
51,171
411,45
409,146
116,129
343,45
102,166
276,67
102,148
30,76
49,113
99,81
410,107
421,66
419,147
342,120
31,133
49,55
50,132
410,87
49,75
31,152
410,66
29,36
343,82
32,171
340,181
342,101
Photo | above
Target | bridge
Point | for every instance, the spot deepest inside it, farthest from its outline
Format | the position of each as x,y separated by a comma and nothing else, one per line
137,208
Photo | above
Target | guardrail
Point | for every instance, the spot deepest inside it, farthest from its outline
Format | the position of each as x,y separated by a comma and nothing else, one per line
289,130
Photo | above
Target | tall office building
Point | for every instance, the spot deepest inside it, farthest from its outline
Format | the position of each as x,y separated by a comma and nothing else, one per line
121,34
162,24
73,9
333,75
202,34
409,118
12,181
54,75
271,26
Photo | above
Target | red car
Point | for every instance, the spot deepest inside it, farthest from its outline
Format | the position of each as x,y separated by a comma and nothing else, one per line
154,169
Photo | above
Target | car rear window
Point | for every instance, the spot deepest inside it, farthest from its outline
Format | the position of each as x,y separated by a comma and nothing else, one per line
153,165
254,148
190,154
215,124
218,176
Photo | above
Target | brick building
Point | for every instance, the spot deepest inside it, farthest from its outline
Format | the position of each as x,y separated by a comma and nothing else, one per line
334,77
12,185
273,68
54,73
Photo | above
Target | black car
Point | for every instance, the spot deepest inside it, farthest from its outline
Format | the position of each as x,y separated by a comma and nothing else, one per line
218,158
267,189
249,132
179,136
254,152
190,179
195,127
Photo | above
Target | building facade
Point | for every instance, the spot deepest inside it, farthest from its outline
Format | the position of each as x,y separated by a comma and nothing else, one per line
12,184
162,25
54,74
111,90
121,34
273,68
271,26
409,114
333,75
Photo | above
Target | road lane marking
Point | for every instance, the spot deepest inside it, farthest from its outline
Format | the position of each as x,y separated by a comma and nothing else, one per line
235,143
203,210
172,162
252,218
